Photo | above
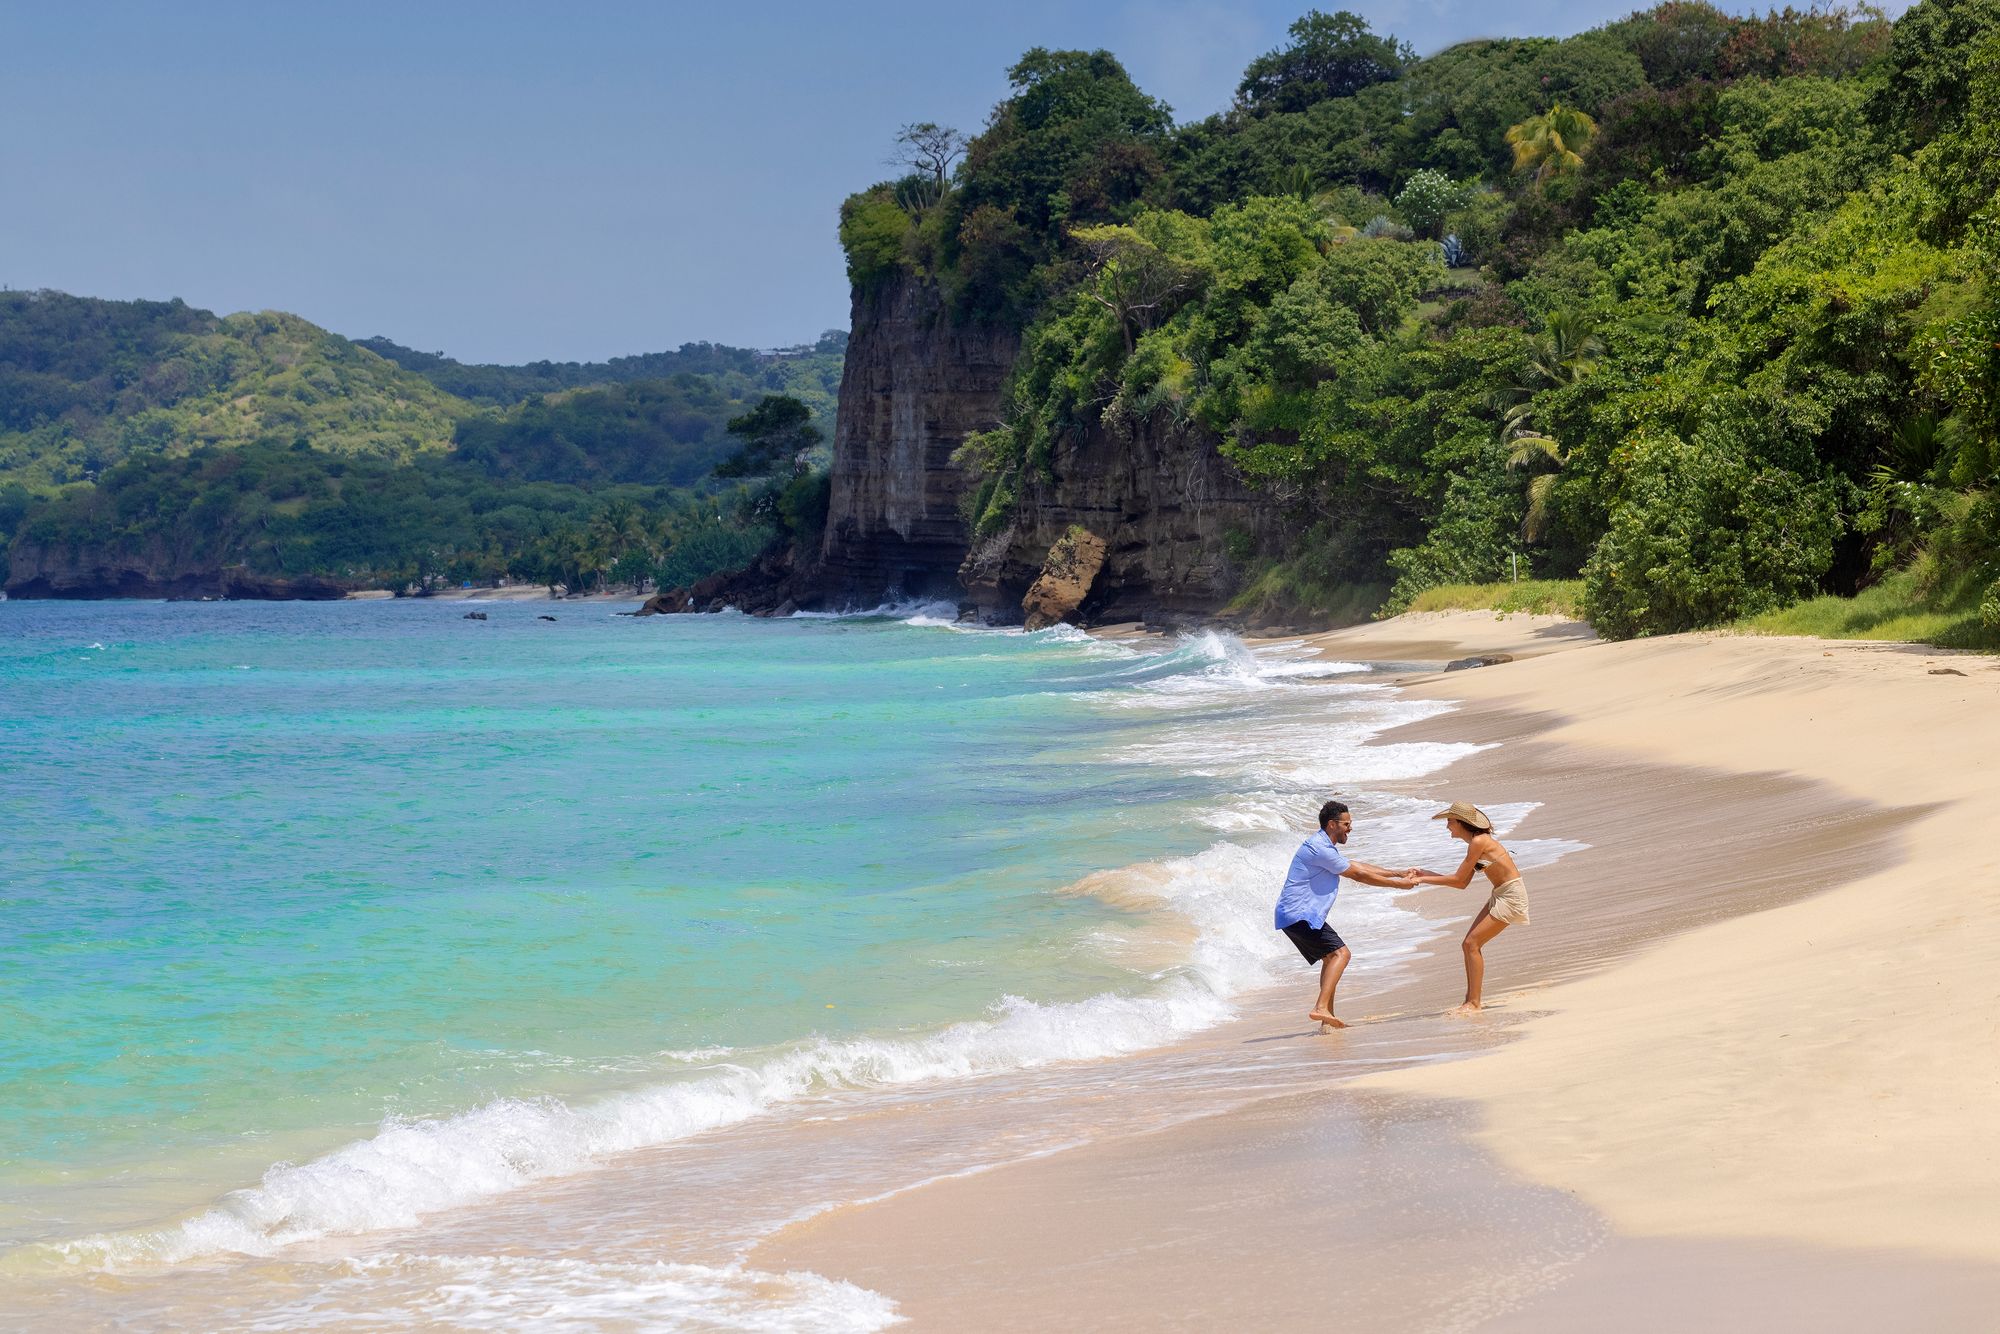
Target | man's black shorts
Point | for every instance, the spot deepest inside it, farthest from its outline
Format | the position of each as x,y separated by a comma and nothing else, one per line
1315,942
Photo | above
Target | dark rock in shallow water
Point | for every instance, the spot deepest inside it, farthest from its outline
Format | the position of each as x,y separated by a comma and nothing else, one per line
1483,660
148,569
475,616
771,585
664,602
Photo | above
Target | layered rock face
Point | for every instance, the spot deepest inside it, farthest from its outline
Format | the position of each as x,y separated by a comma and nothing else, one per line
914,385
1169,507
37,571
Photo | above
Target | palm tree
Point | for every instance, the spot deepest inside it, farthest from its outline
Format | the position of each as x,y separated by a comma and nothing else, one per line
621,527
1553,143
1566,350
1526,449
1297,180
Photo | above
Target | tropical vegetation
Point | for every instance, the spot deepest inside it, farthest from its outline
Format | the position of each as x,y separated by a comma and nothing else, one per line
1695,308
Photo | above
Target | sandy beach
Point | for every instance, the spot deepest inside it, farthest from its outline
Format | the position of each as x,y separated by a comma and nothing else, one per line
1740,1072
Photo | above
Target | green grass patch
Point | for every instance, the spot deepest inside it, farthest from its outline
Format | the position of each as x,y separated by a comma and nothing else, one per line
1898,608
1546,597
1289,591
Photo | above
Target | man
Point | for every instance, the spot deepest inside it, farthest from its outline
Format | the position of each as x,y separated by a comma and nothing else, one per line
1311,886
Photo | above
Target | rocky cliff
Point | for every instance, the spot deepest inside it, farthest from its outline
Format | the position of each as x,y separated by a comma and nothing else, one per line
1168,507
149,569
913,385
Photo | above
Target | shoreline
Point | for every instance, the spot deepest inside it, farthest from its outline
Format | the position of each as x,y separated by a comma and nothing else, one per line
1180,1172
1619,1084
1014,1039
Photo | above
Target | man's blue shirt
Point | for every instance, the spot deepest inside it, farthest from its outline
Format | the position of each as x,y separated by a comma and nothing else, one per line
1313,882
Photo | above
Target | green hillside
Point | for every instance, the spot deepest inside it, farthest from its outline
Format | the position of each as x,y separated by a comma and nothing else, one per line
147,445
810,373
85,384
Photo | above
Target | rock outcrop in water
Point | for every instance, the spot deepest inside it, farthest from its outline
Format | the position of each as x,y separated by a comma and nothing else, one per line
1168,506
146,570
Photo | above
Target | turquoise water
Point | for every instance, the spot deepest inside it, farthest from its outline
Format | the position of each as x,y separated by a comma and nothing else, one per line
339,920
275,872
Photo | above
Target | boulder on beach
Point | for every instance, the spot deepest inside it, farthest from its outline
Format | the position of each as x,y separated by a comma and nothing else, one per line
1071,568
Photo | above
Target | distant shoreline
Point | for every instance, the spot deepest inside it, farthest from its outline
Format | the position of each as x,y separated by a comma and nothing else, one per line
512,593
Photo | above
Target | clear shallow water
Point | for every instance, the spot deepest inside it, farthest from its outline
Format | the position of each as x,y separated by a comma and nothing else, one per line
422,909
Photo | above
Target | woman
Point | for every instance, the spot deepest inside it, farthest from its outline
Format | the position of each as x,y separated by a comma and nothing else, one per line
1508,905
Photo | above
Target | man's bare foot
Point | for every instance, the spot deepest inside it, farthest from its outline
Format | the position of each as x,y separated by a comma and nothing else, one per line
1470,1007
1325,1019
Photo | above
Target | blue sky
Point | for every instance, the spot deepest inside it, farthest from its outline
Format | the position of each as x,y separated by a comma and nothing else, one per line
507,181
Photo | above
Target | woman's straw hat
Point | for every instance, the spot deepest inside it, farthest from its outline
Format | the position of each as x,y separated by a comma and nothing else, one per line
1467,814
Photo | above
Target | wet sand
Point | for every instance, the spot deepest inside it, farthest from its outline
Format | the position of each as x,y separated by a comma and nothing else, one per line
1742,1067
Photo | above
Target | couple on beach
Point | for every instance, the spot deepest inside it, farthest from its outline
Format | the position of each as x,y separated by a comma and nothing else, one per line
1313,882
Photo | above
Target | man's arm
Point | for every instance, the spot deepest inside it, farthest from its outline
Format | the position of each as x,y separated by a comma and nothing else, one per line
1375,875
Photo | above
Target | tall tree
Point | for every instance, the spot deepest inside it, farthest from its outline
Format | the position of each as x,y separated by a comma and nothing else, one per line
1330,55
776,436
1140,280
930,149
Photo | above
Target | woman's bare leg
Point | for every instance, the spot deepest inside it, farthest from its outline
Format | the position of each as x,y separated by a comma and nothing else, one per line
1484,928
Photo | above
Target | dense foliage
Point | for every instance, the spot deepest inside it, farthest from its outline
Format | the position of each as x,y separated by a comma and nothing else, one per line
291,510
1697,307
672,432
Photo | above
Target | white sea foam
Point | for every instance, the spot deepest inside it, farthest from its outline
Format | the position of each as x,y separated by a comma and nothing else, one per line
400,1291
413,1167
916,611
696,1055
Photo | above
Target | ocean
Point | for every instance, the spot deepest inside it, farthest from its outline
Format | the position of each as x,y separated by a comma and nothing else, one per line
337,926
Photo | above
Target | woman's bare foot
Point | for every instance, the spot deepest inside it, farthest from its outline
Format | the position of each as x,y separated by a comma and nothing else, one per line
1470,1007
1325,1019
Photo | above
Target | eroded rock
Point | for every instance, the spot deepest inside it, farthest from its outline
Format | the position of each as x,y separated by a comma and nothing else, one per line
1072,566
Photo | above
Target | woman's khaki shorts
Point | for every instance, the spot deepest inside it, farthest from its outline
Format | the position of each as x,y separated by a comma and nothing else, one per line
1509,903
